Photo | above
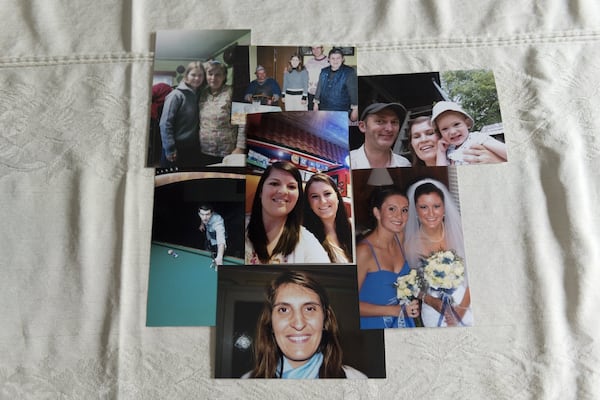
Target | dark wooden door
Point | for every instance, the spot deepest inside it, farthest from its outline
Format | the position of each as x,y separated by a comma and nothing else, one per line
275,60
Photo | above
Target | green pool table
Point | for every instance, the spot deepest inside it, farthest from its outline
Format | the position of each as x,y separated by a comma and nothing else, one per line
182,286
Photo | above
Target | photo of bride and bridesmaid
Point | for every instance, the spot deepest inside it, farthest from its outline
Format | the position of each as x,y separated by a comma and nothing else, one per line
410,249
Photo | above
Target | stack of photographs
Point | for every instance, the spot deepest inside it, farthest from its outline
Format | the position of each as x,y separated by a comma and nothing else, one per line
301,208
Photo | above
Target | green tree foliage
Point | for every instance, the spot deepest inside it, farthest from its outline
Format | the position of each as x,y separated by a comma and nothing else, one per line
475,91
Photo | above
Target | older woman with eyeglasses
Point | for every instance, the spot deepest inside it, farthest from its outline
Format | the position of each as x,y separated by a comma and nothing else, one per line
218,137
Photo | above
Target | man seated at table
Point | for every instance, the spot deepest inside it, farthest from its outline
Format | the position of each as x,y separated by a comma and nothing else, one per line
263,89
380,123
216,236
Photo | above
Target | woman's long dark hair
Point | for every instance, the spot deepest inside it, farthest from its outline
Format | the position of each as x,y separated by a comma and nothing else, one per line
300,66
313,223
291,232
377,198
266,352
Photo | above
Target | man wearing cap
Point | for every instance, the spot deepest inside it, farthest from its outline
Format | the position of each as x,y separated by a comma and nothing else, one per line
380,122
263,89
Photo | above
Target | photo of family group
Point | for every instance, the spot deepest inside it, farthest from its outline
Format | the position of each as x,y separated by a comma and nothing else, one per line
206,82
302,208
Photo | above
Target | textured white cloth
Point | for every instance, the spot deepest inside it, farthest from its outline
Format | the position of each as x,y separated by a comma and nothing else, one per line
77,201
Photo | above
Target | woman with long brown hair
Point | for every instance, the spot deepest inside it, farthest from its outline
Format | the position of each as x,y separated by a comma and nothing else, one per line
218,137
297,334
326,217
275,234
381,260
295,85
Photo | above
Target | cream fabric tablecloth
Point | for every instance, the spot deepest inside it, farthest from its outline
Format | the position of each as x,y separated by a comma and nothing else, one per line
76,200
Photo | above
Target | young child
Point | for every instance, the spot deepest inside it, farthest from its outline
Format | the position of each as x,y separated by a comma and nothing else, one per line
453,124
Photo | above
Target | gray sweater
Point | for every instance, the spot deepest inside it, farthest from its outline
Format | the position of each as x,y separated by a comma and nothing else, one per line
296,80
180,119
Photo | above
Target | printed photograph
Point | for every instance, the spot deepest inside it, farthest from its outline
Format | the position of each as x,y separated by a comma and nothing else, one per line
197,227
428,119
293,322
196,76
295,78
410,248
298,200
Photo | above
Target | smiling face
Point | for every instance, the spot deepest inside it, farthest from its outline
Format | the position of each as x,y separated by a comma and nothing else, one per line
380,129
215,78
393,213
336,60
423,140
297,318
317,51
430,210
279,194
453,126
194,78
295,61
323,200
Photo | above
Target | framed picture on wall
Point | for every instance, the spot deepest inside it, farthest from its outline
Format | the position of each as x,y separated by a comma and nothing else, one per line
307,50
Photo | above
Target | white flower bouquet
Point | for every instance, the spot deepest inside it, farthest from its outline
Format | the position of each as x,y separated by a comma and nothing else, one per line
407,287
444,270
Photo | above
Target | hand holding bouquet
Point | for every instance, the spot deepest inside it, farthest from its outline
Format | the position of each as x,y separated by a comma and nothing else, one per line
444,270
407,287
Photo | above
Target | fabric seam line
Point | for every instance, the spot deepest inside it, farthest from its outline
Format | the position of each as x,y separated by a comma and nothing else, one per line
70,60
478,42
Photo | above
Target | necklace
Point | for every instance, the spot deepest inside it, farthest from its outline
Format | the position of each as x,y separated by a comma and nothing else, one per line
429,237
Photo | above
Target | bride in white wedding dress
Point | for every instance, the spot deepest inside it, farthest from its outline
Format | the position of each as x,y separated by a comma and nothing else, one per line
434,226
